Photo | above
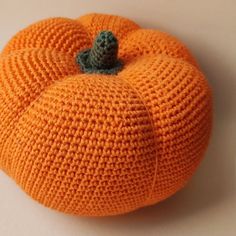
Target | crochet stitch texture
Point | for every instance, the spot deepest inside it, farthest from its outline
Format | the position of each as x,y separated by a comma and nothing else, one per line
102,57
98,144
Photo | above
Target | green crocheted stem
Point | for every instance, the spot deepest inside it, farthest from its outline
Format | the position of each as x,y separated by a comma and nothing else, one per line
102,57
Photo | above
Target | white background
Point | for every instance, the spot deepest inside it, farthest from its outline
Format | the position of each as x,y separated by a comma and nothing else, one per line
207,206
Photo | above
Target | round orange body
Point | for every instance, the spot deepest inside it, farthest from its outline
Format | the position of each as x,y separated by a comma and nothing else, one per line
100,144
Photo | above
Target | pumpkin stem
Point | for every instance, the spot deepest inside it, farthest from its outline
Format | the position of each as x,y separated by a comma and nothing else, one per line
102,57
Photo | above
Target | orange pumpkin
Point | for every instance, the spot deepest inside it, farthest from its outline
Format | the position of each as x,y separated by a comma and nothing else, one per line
92,130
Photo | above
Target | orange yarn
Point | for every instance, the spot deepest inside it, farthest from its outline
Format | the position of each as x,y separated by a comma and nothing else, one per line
92,144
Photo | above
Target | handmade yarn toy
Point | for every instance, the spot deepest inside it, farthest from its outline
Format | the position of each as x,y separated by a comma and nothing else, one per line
99,116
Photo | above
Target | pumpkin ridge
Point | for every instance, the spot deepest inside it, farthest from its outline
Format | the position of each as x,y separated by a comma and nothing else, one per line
117,22
36,97
166,83
42,35
159,43
150,159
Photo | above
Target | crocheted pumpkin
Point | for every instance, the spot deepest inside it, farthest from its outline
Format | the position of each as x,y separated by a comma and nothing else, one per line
92,129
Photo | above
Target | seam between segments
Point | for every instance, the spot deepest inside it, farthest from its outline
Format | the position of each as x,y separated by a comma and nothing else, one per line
147,199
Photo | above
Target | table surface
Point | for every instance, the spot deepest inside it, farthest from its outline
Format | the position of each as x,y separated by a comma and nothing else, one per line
207,206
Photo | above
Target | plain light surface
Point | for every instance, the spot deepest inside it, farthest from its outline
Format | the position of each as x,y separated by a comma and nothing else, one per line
207,206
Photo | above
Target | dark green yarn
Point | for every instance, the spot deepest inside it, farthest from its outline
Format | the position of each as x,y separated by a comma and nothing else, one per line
102,57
